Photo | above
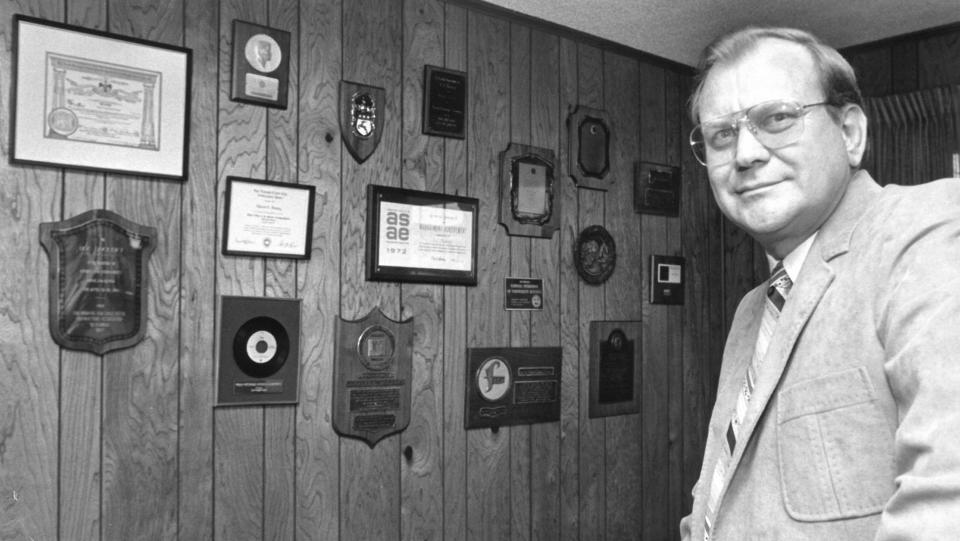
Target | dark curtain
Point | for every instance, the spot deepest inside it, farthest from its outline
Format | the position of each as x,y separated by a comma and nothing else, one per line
913,137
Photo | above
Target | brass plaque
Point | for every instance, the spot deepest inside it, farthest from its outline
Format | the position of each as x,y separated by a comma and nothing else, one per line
372,376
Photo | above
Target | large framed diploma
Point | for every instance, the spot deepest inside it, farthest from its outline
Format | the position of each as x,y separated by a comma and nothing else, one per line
415,236
268,219
93,100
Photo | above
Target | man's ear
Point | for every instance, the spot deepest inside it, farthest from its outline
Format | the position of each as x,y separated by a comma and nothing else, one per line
853,123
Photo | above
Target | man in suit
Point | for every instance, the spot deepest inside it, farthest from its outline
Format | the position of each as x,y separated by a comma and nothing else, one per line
838,408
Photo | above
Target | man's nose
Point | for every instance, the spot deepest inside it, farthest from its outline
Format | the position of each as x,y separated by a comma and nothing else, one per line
749,148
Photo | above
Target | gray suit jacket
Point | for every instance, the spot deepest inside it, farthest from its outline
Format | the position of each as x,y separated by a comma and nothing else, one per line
853,431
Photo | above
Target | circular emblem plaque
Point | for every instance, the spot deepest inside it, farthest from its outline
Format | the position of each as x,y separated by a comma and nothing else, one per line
263,53
375,347
493,379
595,254
62,121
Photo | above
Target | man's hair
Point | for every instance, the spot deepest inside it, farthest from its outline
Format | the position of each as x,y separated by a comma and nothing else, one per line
837,79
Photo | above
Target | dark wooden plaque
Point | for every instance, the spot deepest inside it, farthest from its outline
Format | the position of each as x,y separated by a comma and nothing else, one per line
614,367
259,351
261,65
98,280
372,377
589,138
362,110
529,202
512,386
444,102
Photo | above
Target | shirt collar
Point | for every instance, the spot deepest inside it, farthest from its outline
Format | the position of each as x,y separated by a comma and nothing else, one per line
793,262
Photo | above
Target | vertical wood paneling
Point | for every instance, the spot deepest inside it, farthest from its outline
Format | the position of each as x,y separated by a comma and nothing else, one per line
570,404
29,360
198,302
279,422
624,290
545,125
656,362
422,469
455,318
239,431
140,405
488,451
280,472
939,59
81,372
590,212
520,98
370,481
319,151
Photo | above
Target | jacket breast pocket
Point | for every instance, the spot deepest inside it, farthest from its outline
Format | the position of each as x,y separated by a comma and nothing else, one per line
835,448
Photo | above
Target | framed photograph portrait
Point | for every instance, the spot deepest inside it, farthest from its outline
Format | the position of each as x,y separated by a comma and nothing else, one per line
93,100
261,65
268,219
415,236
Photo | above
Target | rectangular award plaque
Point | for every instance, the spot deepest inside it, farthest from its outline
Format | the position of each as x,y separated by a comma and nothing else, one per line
261,65
614,367
523,294
444,102
259,351
512,386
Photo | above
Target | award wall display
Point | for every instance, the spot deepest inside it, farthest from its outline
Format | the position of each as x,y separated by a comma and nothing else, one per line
361,118
588,137
595,254
512,386
415,236
656,189
259,351
614,367
528,203
98,280
372,377
261,65
444,102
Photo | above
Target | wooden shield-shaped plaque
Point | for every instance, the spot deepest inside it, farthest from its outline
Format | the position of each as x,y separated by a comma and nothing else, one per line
361,118
588,136
371,377
98,280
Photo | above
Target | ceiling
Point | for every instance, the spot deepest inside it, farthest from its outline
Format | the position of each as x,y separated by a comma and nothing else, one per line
679,29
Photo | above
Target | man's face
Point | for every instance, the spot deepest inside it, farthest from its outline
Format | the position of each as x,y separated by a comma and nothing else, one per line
779,196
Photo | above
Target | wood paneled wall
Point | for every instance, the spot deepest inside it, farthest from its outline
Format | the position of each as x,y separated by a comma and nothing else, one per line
129,446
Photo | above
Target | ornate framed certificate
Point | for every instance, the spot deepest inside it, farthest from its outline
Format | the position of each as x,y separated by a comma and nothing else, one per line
265,218
415,236
94,100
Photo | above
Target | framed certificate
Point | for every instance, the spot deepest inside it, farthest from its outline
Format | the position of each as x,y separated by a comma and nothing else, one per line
94,100
269,219
415,236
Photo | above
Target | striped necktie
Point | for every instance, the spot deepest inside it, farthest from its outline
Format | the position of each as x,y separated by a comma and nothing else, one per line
777,291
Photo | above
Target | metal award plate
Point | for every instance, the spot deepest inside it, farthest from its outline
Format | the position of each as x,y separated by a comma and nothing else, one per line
595,255
372,375
361,118
259,361
444,102
614,367
656,189
529,205
98,280
588,137
512,386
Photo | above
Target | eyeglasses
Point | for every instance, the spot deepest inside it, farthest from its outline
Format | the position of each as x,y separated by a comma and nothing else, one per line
775,124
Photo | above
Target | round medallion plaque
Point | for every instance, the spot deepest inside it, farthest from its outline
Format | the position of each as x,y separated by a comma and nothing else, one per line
595,254
375,347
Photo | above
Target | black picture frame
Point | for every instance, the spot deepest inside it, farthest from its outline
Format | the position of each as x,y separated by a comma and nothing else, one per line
69,81
408,229
444,102
260,73
256,213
